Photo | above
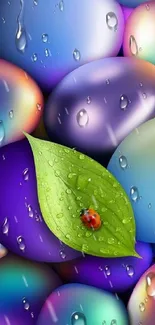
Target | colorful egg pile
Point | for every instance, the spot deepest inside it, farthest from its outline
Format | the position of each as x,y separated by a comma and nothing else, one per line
78,74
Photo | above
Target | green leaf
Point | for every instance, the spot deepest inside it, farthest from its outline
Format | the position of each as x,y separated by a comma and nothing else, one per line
69,181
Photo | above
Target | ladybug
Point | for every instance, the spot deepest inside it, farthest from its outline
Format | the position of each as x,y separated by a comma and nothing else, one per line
90,218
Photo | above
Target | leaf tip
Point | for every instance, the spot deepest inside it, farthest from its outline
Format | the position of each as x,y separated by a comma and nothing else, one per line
137,255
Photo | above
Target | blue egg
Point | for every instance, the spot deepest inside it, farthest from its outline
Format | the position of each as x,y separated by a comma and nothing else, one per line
132,3
50,38
133,164
78,304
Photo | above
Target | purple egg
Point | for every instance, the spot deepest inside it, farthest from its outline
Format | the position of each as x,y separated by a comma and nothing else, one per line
22,228
112,274
24,286
97,105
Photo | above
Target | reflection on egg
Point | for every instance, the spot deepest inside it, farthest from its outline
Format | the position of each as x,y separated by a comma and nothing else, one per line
139,35
21,103
59,36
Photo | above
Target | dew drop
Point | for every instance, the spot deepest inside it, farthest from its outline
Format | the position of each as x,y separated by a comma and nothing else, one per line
34,57
68,236
68,191
78,318
11,114
142,307
30,211
5,226
26,174
111,21
62,254
61,6
82,118
76,55
39,107
123,162
21,243
26,304
81,157
45,38
111,240
113,322
133,45
47,52
2,132
149,205
88,100
21,37
124,101
130,270
107,270
35,2
134,194
150,284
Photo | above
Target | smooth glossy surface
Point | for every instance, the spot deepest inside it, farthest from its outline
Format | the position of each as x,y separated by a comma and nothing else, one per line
97,105
24,287
78,304
138,178
103,272
22,228
21,103
51,38
132,3
139,35
3,251
141,304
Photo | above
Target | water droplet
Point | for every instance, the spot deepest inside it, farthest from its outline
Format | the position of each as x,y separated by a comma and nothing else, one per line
81,157
107,270
34,57
26,174
113,322
107,82
84,247
2,132
111,21
45,38
3,20
150,282
21,37
126,220
61,5
142,307
149,205
39,107
71,175
5,226
147,7
57,173
104,323
124,102
68,236
26,304
134,194
68,191
62,254
130,270
123,162
30,211
144,95
21,243
11,114
82,118
47,52
35,2
78,318
133,45
111,240
76,55
88,100
100,268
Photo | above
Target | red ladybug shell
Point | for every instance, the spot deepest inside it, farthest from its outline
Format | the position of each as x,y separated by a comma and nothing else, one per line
91,218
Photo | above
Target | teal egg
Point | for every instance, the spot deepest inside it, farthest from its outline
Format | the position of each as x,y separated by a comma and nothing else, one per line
78,304
133,164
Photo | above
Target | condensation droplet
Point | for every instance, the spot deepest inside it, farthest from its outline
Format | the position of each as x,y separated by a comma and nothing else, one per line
26,304
150,284
133,45
76,55
34,57
21,37
62,254
78,318
21,243
26,174
45,38
61,6
134,194
82,118
123,162
11,114
130,270
124,102
107,270
142,307
111,21
5,226
2,133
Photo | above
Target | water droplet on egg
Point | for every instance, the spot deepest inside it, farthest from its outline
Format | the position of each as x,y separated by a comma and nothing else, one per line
130,270
34,57
107,270
134,194
150,284
88,100
47,52
5,227
133,45
21,37
113,322
35,2
149,205
123,162
26,174
111,21
2,132
26,304
45,38
62,254
78,318
76,55
11,114
82,118
21,243
30,211
61,5
124,101
142,307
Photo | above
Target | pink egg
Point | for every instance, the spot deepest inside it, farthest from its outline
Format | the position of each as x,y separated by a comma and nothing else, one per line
141,305
21,103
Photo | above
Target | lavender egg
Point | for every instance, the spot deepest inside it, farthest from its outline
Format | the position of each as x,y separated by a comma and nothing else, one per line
141,304
22,228
24,286
50,38
97,105
103,272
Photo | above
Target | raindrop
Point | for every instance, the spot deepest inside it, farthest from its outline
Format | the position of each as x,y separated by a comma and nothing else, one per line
76,55
124,102
82,118
45,38
107,270
21,243
149,205
34,57
130,270
111,21
2,133
5,226
21,37
133,45
78,318
150,284
30,211
134,194
123,162
11,114
26,174
62,254
88,100
35,2
111,241
142,307
26,304
47,52
3,20
61,5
